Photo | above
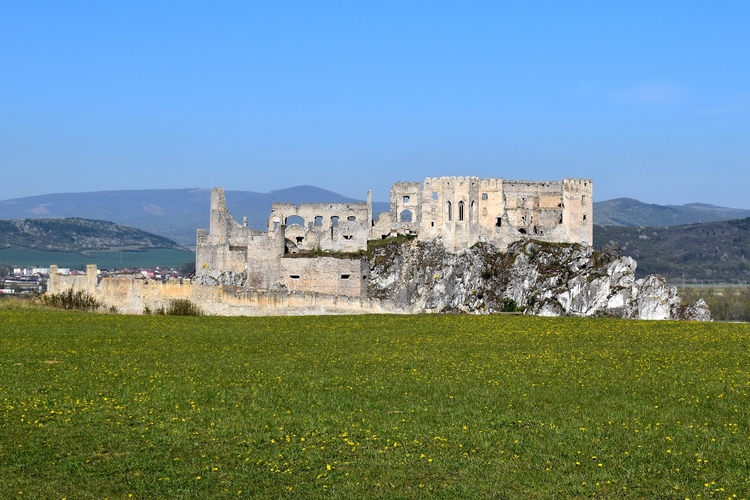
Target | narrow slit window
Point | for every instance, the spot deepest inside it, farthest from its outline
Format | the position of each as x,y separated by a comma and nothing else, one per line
450,211
461,210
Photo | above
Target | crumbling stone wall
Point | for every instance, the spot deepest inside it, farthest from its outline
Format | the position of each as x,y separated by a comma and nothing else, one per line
336,227
134,294
237,250
463,211
326,275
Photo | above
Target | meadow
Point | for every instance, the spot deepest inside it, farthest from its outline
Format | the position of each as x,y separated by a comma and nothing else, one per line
114,406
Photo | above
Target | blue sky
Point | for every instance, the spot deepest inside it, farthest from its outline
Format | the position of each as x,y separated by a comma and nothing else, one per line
649,99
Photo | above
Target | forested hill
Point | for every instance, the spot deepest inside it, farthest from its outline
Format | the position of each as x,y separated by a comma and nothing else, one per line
716,251
630,212
76,235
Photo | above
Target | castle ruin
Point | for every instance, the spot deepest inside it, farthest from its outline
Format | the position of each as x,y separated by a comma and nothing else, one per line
318,247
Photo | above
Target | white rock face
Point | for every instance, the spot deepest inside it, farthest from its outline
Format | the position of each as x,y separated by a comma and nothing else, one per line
544,279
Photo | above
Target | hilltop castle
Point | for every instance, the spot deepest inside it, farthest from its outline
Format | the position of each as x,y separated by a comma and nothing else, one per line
461,211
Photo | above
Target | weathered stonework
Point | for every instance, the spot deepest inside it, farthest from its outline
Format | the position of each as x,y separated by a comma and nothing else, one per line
464,211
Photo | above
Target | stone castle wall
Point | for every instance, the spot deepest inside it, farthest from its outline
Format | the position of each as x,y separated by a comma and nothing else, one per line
133,295
463,211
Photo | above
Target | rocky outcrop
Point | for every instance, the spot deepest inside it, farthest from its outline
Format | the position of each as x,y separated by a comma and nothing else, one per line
543,279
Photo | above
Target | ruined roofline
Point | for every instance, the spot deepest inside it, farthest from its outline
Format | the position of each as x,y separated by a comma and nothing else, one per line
572,181
334,204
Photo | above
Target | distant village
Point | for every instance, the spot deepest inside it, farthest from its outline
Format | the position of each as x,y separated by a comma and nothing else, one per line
33,280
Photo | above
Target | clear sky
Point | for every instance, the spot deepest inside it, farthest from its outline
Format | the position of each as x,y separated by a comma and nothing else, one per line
649,99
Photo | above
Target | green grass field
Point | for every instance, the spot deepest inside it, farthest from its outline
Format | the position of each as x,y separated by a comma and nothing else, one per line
158,257
109,406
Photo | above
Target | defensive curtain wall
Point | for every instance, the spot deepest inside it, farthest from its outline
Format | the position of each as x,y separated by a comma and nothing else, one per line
285,269
132,294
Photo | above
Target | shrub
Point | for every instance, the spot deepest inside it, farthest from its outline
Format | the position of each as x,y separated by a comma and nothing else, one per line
72,300
179,307
509,305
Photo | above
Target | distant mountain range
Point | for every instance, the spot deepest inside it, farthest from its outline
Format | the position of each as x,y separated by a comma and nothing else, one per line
174,213
630,212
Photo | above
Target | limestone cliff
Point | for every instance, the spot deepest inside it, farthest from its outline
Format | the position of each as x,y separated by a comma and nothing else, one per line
542,278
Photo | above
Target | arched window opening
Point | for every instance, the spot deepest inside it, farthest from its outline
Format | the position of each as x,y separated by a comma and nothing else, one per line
406,216
450,211
406,199
318,220
275,225
335,221
473,212
294,219
461,210
522,231
351,218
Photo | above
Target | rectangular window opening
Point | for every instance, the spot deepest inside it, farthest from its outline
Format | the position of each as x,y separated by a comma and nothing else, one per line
294,276
345,276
